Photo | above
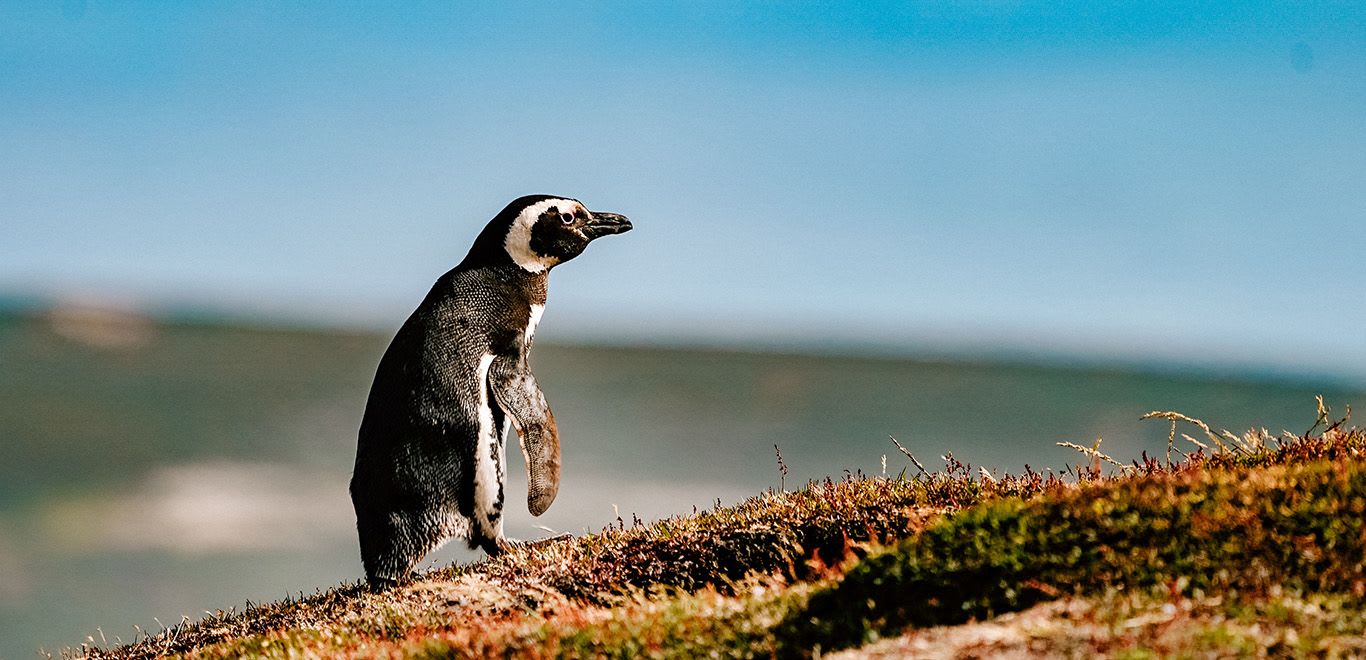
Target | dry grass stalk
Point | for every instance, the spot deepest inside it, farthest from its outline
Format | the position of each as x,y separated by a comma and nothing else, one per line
1178,417
782,469
908,455
1095,453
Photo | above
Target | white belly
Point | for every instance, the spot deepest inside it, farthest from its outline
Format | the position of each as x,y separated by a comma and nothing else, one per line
489,458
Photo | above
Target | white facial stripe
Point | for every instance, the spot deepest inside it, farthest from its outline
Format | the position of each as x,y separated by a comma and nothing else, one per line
487,481
518,241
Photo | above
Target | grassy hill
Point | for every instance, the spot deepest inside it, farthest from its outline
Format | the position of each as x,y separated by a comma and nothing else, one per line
1254,544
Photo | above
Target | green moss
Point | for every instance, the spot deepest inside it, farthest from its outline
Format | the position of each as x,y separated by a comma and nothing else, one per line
1296,527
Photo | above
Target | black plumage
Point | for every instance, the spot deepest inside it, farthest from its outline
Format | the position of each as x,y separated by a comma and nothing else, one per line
430,448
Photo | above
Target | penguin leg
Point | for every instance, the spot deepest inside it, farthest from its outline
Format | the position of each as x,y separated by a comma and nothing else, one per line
386,537
520,397
407,504
393,544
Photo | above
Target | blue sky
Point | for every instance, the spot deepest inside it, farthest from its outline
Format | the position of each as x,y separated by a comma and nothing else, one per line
1170,182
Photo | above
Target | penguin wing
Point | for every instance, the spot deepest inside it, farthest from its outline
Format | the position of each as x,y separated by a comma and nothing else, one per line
520,398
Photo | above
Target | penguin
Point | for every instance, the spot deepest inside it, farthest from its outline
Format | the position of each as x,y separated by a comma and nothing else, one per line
430,450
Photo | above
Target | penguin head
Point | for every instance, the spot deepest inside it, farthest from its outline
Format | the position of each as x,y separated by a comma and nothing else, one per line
543,231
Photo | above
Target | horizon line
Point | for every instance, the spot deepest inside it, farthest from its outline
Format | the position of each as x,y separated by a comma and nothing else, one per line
966,350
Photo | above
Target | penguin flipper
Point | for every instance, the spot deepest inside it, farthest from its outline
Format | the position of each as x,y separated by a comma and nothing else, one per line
520,398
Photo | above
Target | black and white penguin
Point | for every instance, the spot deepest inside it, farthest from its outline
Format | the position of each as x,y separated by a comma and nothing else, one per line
429,461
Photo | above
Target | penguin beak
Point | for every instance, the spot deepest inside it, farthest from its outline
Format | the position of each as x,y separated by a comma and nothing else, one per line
604,224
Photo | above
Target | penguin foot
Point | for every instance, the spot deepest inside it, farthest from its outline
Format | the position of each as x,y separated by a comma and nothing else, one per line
499,546
382,583
547,540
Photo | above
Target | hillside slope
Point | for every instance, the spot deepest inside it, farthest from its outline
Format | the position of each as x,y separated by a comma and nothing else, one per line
1256,544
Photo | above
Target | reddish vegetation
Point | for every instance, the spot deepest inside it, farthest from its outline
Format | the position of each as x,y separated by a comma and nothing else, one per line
1221,532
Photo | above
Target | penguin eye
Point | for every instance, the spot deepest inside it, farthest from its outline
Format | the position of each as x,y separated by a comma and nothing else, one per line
566,218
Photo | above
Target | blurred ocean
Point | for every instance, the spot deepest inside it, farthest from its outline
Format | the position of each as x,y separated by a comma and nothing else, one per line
150,471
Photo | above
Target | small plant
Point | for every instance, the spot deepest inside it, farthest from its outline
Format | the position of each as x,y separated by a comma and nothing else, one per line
782,469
